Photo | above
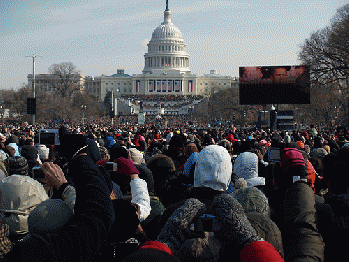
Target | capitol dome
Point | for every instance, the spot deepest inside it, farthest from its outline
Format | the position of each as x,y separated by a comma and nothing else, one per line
166,30
166,49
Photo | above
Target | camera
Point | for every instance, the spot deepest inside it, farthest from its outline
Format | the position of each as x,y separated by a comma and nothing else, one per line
37,173
111,166
274,155
206,222
49,137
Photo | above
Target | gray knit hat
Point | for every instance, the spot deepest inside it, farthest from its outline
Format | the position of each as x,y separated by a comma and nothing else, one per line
252,200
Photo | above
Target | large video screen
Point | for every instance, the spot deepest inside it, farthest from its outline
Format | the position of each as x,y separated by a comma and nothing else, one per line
260,85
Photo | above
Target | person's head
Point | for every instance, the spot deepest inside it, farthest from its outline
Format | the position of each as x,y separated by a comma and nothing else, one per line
226,144
246,166
117,151
9,150
104,153
17,165
213,168
43,152
200,249
292,166
191,148
252,73
122,141
20,195
279,75
49,217
162,168
136,156
252,200
29,141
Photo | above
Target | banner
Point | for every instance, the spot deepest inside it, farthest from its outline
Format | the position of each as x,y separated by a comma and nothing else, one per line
138,83
164,87
151,85
158,86
190,86
177,85
169,85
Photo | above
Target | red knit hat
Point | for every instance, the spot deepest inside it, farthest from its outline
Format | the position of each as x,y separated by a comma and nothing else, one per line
291,157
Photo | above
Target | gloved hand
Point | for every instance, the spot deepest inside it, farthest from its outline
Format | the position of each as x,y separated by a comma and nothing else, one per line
126,166
235,226
177,227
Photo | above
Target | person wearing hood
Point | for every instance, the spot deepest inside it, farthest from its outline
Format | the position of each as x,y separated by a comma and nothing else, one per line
246,166
212,177
20,195
257,210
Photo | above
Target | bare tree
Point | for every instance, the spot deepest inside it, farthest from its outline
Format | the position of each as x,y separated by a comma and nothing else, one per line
66,79
326,52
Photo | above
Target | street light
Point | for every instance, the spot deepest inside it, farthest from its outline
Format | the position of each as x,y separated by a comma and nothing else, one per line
83,107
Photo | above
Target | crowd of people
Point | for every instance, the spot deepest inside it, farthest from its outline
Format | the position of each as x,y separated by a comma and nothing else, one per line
147,193
161,98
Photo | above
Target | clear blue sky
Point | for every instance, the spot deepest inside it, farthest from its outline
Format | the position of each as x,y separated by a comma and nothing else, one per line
101,36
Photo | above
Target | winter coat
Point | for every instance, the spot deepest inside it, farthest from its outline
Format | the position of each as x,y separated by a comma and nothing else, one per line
84,235
302,241
332,219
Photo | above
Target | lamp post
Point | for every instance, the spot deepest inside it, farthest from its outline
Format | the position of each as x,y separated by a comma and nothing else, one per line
83,107
33,84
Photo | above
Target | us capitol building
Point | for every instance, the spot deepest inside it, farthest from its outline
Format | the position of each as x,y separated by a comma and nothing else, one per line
166,71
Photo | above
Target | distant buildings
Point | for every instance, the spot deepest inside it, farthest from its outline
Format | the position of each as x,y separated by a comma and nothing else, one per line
166,71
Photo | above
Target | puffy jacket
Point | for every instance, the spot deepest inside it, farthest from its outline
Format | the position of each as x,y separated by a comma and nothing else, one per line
302,241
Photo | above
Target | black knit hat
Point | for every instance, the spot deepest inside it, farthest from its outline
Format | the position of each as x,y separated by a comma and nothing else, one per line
17,165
